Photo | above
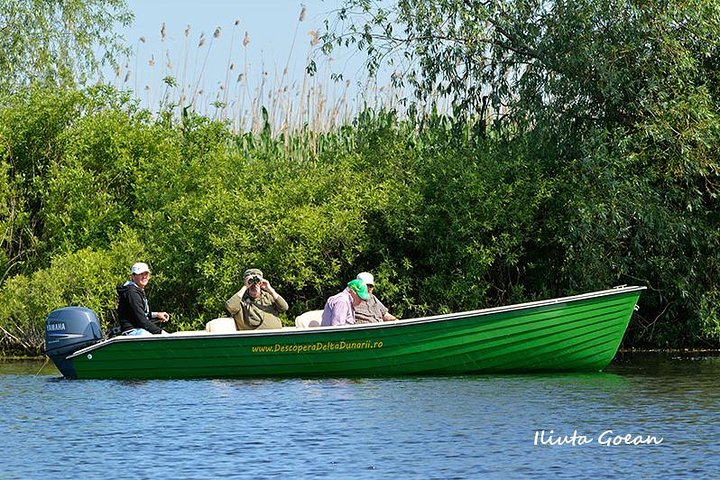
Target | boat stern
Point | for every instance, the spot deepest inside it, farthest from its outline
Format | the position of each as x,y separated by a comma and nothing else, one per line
68,330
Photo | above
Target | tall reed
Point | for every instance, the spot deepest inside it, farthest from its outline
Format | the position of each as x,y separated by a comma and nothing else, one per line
249,97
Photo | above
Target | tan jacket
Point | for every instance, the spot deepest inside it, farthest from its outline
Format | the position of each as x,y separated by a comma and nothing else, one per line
250,313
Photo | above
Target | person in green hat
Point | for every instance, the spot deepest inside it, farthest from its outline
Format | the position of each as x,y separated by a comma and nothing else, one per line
340,308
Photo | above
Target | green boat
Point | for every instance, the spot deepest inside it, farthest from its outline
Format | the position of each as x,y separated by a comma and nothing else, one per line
576,333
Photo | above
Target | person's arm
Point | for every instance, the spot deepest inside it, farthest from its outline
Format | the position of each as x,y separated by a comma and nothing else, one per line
340,313
326,318
385,314
335,312
388,317
162,317
280,302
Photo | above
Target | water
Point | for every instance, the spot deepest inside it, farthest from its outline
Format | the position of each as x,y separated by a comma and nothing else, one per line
411,428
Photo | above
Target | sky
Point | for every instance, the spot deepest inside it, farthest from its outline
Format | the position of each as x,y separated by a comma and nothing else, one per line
229,44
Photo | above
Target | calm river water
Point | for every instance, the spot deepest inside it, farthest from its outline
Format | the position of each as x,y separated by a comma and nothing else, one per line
652,416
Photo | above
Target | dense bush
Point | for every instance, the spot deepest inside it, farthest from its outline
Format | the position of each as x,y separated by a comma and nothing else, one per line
445,219
618,105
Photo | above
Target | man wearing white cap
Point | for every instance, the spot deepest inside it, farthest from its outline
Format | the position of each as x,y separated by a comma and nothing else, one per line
133,308
372,310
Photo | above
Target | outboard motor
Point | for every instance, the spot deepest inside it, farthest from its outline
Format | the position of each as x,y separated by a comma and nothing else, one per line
68,330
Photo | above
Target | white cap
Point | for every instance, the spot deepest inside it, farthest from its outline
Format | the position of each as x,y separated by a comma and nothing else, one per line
366,278
139,268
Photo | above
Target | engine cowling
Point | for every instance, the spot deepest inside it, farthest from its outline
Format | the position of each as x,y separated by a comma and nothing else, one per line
68,330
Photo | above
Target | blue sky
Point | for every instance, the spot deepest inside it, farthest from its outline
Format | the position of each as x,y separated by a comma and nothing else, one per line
277,39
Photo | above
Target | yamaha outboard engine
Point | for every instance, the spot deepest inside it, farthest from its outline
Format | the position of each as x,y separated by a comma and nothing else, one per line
68,330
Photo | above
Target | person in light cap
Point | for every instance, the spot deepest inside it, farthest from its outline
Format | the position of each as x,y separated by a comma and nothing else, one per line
372,310
340,308
133,309
257,304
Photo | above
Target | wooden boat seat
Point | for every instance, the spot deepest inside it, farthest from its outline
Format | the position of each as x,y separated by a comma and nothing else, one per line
309,319
221,325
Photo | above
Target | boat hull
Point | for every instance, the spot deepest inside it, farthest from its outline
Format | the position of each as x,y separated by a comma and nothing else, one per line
579,333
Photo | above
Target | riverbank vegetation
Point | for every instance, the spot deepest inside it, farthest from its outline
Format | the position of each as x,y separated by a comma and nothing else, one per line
581,153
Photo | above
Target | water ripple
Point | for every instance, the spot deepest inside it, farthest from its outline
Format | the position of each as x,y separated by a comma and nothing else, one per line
413,428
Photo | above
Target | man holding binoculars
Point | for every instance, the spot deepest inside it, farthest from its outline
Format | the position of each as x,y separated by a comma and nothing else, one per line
257,304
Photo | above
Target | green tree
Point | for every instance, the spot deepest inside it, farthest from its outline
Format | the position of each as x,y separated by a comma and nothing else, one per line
585,61
57,186
58,41
618,102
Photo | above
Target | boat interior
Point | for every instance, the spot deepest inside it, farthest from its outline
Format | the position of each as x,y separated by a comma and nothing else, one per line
223,325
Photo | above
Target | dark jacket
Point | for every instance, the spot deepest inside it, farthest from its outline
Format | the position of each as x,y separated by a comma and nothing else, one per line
133,309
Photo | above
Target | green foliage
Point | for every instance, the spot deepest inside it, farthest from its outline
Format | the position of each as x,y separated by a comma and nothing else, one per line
300,222
710,317
29,126
58,43
450,216
62,193
617,104
581,153
86,197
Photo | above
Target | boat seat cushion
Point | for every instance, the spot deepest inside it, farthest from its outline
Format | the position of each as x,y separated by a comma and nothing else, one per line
221,325
310,319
